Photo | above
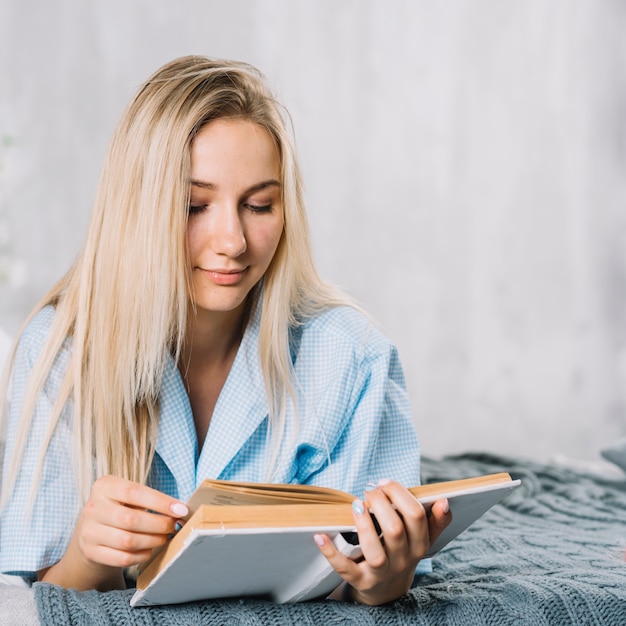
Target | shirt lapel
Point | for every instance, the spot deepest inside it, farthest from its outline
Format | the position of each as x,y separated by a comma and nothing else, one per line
176,437
240,409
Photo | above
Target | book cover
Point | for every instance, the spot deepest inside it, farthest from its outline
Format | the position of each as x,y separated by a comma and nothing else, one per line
248,539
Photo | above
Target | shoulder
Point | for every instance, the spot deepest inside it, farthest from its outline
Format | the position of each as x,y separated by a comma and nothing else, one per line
346,325
343,332
35,334
32,345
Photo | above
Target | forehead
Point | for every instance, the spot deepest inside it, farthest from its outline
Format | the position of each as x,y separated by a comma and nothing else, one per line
231,150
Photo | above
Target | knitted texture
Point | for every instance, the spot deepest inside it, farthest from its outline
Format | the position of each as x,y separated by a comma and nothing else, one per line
552,553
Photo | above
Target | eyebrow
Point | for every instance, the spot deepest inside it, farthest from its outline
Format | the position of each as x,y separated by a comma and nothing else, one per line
272,182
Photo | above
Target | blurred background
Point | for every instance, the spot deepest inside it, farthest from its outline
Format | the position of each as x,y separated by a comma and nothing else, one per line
465,164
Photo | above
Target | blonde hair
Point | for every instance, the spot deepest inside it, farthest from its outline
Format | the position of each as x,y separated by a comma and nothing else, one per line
125,302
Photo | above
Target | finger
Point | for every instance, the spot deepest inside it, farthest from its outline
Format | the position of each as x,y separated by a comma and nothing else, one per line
389,520
413,514
112,557
372,547
343,565
403,518
140,521
128,541
140,496
439,519
126,530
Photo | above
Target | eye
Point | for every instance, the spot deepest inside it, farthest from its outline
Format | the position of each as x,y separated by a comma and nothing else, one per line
192,209
258,208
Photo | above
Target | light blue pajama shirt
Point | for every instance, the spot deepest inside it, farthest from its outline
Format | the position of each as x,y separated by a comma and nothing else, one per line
355,426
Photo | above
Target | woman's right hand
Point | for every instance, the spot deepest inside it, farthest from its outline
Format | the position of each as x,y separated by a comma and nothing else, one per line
119,526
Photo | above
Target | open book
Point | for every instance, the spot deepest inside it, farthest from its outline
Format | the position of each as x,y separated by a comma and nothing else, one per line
249,539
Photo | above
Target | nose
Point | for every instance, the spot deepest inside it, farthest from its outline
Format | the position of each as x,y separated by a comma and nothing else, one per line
227,233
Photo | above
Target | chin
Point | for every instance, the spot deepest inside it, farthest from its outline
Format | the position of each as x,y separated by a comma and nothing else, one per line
212,306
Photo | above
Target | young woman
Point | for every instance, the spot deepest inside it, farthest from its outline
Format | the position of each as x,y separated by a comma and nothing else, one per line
193,338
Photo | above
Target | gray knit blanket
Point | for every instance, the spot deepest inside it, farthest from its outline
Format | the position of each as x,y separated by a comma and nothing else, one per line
551,553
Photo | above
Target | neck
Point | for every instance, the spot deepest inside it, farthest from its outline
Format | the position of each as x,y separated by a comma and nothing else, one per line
213,336
213,339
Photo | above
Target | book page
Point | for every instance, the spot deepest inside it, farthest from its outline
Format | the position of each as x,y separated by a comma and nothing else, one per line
228,493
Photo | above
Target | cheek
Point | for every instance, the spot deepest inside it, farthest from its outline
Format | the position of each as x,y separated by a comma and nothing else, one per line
267,240
275,239
192,237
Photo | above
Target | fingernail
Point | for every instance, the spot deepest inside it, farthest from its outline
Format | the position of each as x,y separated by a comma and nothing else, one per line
179,509
319,540
358,507
371,486
446,506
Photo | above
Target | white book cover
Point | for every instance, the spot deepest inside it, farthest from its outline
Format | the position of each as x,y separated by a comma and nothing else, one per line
466,507
284,564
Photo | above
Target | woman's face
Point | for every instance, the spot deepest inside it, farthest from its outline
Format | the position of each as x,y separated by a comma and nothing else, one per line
235,212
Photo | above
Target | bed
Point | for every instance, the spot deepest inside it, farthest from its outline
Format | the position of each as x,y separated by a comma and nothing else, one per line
551,553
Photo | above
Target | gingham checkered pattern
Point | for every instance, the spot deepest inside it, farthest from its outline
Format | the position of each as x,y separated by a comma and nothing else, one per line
355,426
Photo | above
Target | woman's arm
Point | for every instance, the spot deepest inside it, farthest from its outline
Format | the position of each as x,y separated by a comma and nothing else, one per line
388,566
118,527
353,377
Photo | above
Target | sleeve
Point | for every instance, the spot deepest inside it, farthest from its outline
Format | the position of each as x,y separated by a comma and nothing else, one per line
361,405
358,420
35,531
379,439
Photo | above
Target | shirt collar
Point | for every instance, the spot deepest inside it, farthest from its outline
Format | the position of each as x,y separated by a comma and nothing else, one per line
240,409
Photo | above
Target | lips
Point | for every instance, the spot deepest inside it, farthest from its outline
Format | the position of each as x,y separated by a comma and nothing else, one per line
224,277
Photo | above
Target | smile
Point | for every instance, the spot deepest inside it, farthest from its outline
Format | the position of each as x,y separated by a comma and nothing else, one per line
224,277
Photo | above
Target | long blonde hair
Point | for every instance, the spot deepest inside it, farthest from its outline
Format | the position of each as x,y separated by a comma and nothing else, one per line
125,302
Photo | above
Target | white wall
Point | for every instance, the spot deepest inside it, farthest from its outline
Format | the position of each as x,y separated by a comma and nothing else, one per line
465,179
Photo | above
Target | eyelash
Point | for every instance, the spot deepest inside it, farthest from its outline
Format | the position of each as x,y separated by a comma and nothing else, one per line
258,208
254,208
192,209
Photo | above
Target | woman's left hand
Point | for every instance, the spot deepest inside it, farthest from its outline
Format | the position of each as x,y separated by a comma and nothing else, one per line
387,568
